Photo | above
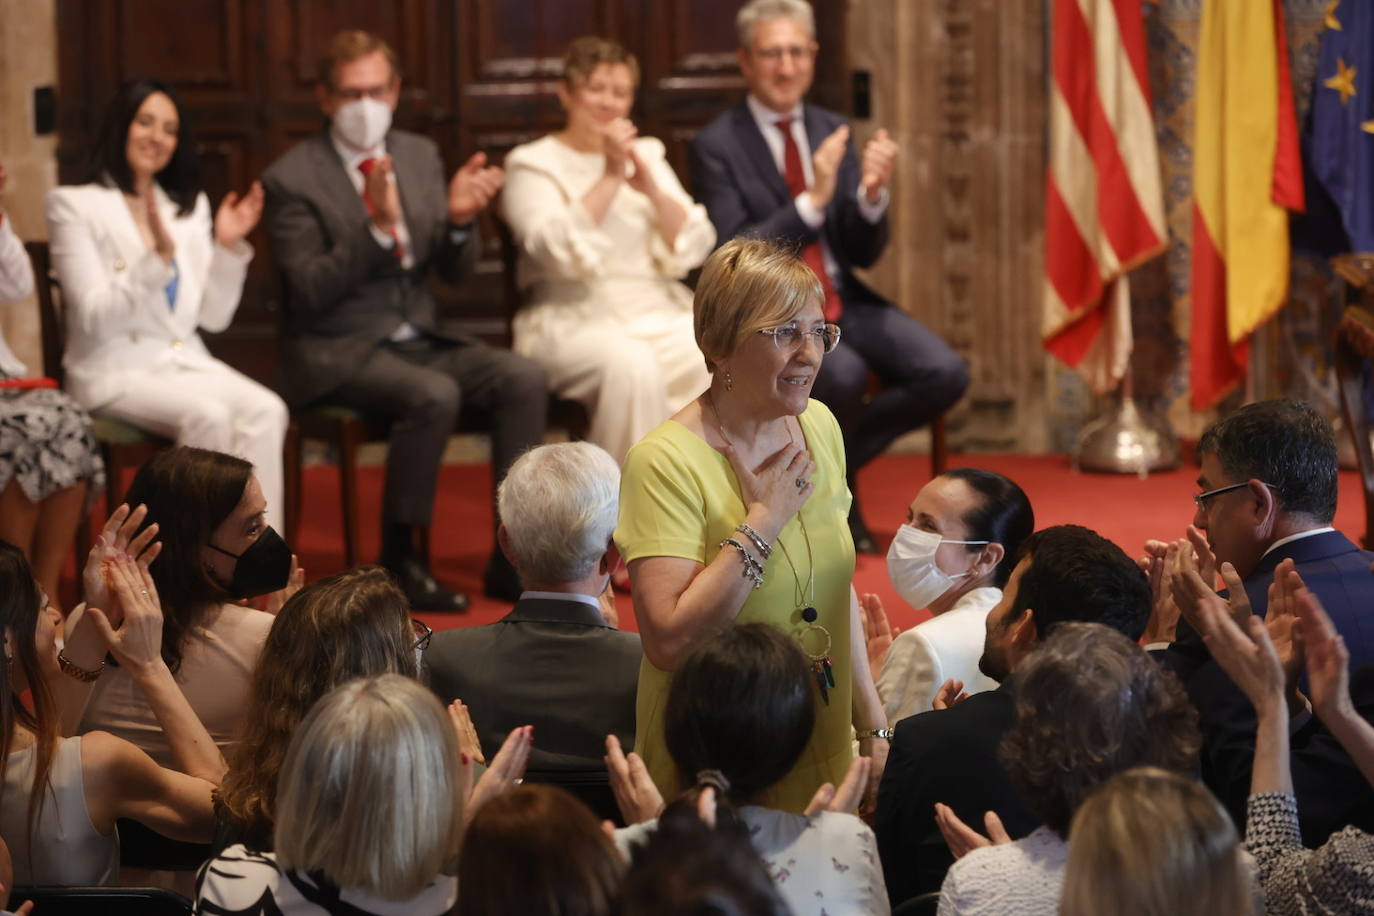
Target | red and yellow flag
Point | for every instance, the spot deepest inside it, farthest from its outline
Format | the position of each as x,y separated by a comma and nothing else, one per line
1104,208
1247,175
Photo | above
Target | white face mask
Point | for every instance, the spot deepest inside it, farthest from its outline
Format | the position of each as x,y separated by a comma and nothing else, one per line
912,568
363,123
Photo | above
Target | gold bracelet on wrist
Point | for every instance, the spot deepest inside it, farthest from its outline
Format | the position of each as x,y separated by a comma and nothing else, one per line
863,733
72,669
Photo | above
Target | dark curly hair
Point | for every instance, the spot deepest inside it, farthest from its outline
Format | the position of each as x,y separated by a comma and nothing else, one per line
1091,703
1076,574
1284,443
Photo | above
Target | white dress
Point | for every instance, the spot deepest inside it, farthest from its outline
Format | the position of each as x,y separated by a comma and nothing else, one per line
945,646
133,328
253,884
1023,878
605,312
823,863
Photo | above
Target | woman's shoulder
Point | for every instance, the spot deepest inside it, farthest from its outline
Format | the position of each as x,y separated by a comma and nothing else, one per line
541,154
72,199
669,443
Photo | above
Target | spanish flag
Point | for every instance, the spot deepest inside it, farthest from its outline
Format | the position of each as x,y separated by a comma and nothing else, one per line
1247,175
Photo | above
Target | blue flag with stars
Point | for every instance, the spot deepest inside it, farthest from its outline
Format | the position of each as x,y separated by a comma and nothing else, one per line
1341,140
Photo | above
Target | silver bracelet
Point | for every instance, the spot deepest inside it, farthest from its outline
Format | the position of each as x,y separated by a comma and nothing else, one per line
765,549
752,570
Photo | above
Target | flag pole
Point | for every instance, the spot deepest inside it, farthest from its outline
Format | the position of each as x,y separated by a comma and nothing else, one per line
1122,440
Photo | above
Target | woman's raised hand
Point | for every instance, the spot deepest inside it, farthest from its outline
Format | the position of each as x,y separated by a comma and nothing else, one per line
618,137
237,216
635,793
781,484
162,239
137,645
120,536
468,742
507,769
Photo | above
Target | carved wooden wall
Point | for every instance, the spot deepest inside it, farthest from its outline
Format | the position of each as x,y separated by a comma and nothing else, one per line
478,74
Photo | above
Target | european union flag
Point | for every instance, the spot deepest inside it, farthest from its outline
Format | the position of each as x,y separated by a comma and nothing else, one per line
1341,140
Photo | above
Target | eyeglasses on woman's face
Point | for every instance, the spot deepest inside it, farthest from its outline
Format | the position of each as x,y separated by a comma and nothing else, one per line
788,337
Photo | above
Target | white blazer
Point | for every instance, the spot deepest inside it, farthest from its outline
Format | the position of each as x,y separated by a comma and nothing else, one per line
119,323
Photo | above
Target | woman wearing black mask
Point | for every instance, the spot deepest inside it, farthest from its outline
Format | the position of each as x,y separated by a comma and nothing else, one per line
216,549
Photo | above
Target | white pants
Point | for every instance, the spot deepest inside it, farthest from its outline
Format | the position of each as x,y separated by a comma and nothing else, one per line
630,380
214,407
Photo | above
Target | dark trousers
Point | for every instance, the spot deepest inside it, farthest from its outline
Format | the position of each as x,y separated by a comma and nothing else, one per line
419,386
922,377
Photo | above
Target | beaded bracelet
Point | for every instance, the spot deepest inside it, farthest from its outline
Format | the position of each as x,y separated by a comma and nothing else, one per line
765,549
752,570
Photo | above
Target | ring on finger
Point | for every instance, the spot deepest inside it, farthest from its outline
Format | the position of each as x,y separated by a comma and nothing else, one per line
801,483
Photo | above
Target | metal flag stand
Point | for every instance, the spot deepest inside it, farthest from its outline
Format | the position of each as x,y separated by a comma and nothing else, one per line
1122,440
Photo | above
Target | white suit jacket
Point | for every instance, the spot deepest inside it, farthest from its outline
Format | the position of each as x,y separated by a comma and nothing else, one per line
927,655
119,323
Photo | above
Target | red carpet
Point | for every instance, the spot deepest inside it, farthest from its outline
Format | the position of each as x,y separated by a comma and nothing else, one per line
1123,508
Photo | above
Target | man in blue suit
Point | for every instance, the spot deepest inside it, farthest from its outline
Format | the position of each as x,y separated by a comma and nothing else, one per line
1268,482
776,168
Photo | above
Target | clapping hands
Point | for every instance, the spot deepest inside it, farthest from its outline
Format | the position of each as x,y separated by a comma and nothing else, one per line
472,189
238,216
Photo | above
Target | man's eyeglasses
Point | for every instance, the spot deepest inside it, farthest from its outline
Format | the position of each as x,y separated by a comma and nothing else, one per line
1200,498
423,634
773,55
788,337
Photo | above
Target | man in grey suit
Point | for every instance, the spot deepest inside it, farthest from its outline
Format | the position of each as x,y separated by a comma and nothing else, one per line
776,168
554,661
357,216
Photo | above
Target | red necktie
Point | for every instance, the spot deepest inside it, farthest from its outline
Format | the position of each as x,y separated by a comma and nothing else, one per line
811,255
366,168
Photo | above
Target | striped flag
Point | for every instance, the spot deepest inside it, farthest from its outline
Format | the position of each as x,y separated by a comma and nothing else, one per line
1247,175
1104,207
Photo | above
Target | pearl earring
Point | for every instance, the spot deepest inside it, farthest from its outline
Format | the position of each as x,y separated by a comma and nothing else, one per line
729,382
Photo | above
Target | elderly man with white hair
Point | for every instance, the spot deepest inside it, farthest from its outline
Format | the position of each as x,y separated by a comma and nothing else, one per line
554,661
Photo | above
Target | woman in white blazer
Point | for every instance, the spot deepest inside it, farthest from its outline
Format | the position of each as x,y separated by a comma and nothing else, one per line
143,268
961,540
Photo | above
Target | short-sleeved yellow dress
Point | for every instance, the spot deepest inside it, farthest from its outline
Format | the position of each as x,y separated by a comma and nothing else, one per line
679,497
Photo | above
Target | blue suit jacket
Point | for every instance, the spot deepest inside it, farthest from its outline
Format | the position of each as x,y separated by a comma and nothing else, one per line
1331,791
735,177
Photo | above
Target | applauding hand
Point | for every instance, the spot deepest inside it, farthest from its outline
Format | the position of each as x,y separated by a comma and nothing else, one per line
137,645
472,189
237,216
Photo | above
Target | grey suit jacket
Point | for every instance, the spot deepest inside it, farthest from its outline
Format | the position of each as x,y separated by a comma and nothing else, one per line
345,293
735,177
555,665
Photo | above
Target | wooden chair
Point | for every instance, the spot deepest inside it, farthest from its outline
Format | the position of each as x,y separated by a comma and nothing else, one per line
123,446
1353,347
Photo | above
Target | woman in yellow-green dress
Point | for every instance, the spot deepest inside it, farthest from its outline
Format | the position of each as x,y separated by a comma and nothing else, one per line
735,511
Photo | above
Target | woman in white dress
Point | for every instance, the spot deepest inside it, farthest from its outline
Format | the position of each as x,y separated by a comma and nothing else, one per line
605,233
143,267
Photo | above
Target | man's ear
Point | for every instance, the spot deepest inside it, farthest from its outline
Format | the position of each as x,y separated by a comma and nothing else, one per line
1264,504
610,559
322,98
503,539
1024,634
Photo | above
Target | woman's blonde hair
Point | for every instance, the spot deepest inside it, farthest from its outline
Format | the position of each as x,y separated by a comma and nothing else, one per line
368,793
587,53
1153,843
745,286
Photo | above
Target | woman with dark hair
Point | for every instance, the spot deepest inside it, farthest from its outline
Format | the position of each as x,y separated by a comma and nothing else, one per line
217,549
61,796
537,851
352,625
143,267
1090,703
961,540
739,712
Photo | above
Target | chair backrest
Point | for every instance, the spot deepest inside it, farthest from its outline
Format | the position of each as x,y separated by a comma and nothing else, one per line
54,332
102,901
923,905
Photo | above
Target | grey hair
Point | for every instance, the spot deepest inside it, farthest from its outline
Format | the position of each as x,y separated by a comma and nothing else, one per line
756,11
368,791
558,504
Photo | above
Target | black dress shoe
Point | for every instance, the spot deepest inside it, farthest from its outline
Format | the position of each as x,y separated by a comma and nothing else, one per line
423,592
500,581
863,538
